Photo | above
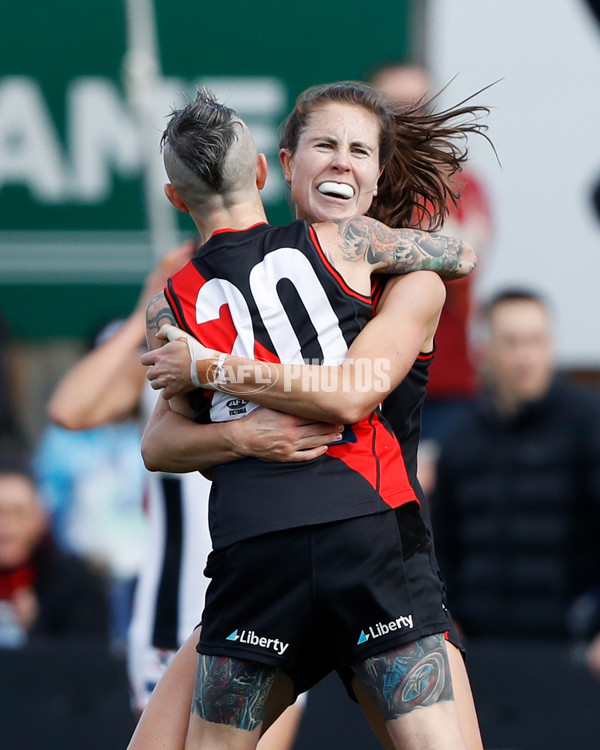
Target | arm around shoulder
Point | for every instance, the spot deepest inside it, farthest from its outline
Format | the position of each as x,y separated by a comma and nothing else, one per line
383,352
396,251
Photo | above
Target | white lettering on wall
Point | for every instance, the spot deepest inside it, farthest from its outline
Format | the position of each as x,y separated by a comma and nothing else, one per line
102,139
30,150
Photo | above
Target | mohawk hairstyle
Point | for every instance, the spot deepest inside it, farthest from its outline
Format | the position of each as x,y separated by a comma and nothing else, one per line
200,135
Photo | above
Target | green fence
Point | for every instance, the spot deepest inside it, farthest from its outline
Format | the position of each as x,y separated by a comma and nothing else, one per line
74,240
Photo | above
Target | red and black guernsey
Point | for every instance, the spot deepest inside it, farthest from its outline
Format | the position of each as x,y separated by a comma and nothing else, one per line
270,293
402,409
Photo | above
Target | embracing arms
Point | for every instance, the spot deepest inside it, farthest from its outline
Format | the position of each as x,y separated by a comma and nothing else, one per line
175,443
357,247
378,360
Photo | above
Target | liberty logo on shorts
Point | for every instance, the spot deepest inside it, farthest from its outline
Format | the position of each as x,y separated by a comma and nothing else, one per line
250,637
382,628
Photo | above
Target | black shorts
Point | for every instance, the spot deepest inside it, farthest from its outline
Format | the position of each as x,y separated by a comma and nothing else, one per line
415,536
310,598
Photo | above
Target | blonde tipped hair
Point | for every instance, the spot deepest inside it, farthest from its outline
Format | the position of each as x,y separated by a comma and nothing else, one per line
208,151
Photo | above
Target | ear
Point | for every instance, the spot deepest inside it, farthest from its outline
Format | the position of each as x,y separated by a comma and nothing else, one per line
175,198
285,157
262,169
378,177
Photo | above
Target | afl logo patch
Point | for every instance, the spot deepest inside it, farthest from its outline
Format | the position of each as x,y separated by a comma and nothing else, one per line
236,406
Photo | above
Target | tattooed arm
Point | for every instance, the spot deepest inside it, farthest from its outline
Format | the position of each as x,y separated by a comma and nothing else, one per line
158,314
394,251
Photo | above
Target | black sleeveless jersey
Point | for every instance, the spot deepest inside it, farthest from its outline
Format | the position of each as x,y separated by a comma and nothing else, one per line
269,293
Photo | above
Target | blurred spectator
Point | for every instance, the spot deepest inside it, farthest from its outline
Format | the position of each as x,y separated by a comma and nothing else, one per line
516,508
108,384
452,379
92,481
10,435
45,594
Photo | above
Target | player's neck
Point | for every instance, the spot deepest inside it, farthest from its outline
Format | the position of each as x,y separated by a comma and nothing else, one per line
239,216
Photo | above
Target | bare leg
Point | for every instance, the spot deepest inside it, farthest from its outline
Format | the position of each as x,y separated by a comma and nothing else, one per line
164,722
413,689
372,713
463,699
280,699
282,734
229,704
282,717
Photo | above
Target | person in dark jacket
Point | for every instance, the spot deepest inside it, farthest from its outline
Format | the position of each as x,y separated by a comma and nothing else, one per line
45,595
516,507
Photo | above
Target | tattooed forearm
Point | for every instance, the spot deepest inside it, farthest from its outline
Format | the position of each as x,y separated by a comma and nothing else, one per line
413,675
158,314
451,258
399,251
233,692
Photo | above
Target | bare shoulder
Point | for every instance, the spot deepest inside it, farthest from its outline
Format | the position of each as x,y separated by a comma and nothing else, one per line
158,313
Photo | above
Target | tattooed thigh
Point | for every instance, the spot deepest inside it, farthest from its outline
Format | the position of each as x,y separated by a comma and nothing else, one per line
232,691
413,675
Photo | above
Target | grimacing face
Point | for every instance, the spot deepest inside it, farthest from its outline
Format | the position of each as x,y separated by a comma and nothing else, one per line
22,520
334,170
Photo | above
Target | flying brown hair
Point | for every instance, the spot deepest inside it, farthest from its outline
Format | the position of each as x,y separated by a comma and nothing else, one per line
422,150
